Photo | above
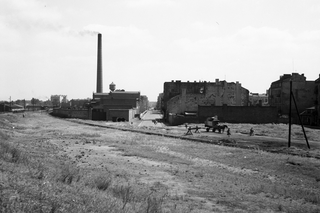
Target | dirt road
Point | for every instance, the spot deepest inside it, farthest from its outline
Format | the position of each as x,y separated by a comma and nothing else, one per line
198,177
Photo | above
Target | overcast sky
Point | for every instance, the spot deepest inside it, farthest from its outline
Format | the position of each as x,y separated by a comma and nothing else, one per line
49,47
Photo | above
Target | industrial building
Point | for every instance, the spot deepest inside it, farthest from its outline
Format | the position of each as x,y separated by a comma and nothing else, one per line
114,105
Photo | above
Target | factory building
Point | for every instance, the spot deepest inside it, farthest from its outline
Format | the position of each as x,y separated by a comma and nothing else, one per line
115,105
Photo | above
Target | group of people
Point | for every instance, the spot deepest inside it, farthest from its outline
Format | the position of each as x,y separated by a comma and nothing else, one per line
251,132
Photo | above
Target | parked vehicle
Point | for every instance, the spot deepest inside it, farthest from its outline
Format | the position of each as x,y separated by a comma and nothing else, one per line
213,123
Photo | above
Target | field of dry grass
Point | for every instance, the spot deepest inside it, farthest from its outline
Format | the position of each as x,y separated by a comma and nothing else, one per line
54,165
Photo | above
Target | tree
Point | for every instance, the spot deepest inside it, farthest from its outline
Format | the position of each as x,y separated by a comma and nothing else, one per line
35,101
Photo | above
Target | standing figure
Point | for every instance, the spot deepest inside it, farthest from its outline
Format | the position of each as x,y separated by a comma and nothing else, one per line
228,132
251,132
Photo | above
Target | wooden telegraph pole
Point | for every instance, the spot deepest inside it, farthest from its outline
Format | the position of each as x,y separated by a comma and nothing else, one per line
295,104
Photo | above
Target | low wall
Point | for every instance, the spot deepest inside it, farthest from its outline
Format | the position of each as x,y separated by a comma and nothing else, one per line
71,113
119,114
174,119
239,114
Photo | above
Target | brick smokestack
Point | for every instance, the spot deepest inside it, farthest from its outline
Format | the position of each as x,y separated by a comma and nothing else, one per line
99,65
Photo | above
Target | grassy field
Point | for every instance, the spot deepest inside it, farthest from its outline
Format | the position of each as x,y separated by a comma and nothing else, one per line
54,165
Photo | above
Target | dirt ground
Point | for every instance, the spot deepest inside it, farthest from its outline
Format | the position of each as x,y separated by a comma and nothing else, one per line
200,177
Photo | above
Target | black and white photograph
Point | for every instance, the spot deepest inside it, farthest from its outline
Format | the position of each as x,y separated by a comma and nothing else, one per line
159,106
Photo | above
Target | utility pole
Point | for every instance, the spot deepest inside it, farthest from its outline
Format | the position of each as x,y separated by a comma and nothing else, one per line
289,139
295,104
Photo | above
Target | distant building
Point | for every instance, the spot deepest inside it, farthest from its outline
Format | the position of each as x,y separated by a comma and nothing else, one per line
34,107
117,105
303,91
159,101
185,97
256,99
143,103
56,100
317,101
311,115
10,107
79,103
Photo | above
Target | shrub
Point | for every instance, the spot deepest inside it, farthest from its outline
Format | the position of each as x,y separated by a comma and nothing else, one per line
154,204
68,174
124,192
3,135
9,152
102,183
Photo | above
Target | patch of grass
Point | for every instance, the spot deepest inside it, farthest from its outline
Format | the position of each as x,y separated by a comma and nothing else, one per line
124,192
3,135
10,153
102,182
277,190
90,135
154,204
68,174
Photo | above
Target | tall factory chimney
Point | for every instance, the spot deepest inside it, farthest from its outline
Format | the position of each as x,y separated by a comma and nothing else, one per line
99,65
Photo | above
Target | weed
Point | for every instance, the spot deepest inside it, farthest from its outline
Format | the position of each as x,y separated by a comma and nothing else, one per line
36,170
280,207
15,154
287,192
154,204
124,192
10,153
4,147
3,135
102,183
68,174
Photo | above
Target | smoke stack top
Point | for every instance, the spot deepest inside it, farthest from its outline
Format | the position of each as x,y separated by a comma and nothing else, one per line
99,65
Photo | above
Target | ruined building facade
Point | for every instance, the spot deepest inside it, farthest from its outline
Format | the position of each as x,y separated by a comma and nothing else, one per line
303,91
317,102
185,97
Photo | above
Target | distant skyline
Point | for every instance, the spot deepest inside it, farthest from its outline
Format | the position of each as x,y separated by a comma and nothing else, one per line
50,47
